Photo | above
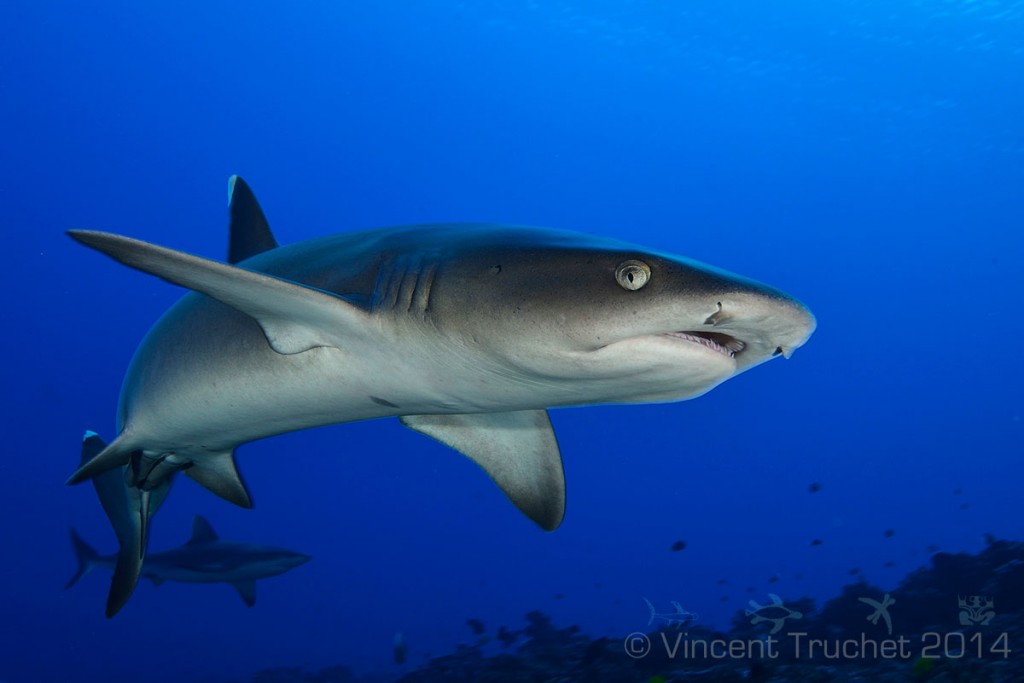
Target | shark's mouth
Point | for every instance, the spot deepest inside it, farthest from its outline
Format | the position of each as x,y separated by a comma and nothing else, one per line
716,341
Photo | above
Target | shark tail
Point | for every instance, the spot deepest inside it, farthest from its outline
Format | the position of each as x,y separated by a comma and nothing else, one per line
86,556
129,511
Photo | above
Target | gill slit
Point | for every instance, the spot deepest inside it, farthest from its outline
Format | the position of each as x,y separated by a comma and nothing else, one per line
406,283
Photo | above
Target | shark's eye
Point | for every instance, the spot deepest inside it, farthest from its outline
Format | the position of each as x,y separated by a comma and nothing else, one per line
632,274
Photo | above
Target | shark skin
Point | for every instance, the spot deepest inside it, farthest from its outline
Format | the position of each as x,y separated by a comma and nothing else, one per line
205,558
466,333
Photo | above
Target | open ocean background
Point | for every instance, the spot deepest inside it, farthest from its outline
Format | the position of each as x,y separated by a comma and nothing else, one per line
865,156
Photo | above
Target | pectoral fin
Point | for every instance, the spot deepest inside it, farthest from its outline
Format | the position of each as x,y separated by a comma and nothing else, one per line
294,317
247,590
517,449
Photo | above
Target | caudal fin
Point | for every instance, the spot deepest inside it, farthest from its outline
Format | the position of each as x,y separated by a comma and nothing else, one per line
86,556
129,511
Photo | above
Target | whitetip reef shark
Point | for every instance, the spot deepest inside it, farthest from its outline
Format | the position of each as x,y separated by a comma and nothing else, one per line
204,558
466,333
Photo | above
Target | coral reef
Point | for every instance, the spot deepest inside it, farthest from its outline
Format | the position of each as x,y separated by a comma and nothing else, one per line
959,619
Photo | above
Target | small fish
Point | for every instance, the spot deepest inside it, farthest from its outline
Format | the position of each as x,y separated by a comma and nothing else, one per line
678,545
854,571
477,626
890,564
889,533
932,548
559,596
816,542
774,579
814,487
506,637
400,650
722,582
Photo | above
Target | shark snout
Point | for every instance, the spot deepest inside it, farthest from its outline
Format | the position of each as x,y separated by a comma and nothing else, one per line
296,559
797,323
761,326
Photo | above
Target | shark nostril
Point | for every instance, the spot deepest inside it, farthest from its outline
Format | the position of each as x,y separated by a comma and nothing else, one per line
718,317
778,351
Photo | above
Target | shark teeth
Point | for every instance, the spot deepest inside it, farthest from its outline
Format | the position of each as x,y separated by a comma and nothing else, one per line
716,341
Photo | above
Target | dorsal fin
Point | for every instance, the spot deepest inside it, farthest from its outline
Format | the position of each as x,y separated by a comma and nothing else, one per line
202,532
248,231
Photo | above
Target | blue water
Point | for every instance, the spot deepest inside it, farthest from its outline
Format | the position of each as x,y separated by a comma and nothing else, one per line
865,156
